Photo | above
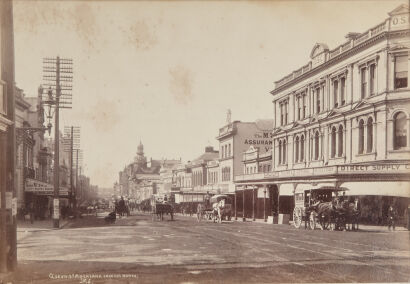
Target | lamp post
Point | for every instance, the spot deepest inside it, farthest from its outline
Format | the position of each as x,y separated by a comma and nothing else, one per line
264,204
243,205
253,203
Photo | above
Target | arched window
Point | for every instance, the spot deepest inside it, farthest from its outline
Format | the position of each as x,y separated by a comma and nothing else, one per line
280,152
284,151
316,156
400,131
369,135
333,143
302,148
297,149
361,136
340,140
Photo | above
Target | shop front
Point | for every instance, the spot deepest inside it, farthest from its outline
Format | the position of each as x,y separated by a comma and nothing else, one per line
39,197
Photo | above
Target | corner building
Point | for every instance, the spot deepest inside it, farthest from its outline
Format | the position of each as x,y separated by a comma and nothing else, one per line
342,119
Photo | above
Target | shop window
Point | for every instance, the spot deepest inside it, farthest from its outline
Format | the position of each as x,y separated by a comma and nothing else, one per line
302,148
369,135
333,143
363,83
400,131
401,72
361,136
340,140
297,149
372,78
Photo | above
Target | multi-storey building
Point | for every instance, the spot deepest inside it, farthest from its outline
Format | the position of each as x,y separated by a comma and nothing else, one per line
342,120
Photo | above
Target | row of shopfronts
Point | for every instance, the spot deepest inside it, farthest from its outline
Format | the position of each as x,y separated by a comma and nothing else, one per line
341,121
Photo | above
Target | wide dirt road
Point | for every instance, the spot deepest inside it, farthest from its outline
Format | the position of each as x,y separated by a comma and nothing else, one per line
138,250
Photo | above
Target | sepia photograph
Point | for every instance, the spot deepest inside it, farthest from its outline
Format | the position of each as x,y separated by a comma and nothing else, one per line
188,142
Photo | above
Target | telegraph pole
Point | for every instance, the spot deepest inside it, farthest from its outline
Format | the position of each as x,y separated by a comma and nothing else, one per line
72,143
57,70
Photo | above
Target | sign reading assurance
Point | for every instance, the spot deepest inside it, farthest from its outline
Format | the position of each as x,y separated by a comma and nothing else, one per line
261,141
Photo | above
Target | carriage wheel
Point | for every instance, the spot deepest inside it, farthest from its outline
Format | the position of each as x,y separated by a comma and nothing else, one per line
312,220
297,217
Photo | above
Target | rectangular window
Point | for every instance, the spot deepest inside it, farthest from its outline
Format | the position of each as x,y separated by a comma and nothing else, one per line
286,113
299,108
335,93
401,72
318,100
342,90
3,101
304,106
371,79
281,114
363,83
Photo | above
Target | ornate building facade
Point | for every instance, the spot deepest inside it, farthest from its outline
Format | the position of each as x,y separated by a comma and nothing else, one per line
343,120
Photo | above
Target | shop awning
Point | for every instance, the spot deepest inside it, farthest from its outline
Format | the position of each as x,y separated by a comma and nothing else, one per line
305,186
286,189
399,188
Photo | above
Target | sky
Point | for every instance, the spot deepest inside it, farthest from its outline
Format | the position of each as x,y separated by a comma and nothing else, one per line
166,72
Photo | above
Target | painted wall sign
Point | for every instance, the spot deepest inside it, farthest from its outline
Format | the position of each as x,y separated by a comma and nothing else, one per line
383,168
260,140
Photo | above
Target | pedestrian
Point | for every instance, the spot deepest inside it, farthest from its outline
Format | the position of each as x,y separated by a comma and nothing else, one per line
391,217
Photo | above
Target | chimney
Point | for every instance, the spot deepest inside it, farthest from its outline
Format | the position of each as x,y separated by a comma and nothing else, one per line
209,149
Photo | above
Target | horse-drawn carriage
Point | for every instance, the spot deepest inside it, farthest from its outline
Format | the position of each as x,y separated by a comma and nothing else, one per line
325,208
160,207
217,208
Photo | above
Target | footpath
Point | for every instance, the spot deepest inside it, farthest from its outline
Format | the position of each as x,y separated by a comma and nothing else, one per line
24,228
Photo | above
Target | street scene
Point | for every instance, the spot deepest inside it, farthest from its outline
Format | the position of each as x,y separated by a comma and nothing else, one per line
204,141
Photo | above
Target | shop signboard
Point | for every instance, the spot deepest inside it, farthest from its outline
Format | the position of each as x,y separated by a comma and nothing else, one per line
374,169
43,188
56,208
14,207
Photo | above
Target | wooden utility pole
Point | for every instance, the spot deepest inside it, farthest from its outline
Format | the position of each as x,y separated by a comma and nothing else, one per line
58,75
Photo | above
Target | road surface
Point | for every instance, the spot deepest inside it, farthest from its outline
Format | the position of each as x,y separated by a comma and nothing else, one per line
138,250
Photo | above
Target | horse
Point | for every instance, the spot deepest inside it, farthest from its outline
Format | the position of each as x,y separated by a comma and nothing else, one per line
324,211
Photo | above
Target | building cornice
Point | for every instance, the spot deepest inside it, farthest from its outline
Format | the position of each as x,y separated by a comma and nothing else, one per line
340,57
